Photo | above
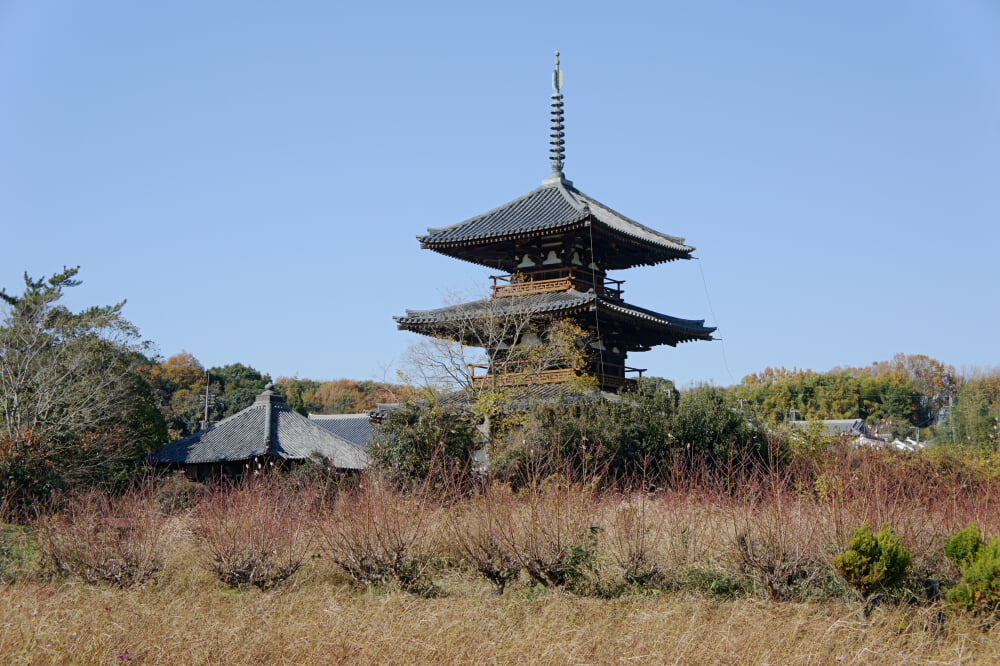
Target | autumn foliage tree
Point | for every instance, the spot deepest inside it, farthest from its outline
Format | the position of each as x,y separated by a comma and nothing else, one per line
179,386
340,396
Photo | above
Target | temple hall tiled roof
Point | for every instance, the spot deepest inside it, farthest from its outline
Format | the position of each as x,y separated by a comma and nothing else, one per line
561,303
355,428
554,207
267,427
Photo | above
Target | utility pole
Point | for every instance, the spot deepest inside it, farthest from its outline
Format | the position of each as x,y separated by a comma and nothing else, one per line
208,400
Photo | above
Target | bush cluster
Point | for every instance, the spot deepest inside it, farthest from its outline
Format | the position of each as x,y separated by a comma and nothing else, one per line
873,562
979,563
638,431
378,534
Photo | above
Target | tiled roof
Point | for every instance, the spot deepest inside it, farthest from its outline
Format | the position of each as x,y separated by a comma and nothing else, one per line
355,428
267,427
562,302
553,206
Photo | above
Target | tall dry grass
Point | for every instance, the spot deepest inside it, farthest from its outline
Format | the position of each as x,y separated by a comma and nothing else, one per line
325,622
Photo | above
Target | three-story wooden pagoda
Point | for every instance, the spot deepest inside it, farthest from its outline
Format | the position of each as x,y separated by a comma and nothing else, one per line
555,247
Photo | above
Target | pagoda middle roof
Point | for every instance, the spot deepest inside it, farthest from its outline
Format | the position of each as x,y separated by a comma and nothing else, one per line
567,302
554,207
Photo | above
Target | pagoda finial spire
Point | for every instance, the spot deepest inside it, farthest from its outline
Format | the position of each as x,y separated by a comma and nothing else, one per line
556,151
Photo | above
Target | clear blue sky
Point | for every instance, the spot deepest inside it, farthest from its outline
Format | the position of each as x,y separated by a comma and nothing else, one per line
251,176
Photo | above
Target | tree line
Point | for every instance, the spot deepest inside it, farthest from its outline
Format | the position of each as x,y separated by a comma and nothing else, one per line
85,398
908,394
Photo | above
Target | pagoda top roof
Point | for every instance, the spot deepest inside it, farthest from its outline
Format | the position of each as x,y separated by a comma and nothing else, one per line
671,330
555,207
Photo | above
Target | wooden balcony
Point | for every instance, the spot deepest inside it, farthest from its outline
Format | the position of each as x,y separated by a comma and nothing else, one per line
613,377
533,287
559,279
553,376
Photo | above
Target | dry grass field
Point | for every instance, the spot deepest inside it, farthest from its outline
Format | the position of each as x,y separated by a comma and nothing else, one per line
191,620
696,572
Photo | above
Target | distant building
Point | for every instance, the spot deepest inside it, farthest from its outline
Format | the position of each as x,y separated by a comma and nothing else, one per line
266,433
854,429
835,427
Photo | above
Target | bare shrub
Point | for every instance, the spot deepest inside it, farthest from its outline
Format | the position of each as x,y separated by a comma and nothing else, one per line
473,525
549,529
379,534
255,532
103,538
775,545
635,538
877,487
776,539
693,513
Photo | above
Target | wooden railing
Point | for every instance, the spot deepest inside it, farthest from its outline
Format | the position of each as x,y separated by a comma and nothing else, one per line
508,376
533,287
552,376
558,279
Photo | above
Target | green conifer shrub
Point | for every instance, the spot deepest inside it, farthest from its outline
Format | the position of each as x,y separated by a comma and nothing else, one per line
873,561
979,563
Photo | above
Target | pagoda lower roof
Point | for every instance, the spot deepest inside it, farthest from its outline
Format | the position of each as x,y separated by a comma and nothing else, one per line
449,320
554,208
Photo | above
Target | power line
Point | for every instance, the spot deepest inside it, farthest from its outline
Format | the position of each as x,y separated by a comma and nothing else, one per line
704,282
